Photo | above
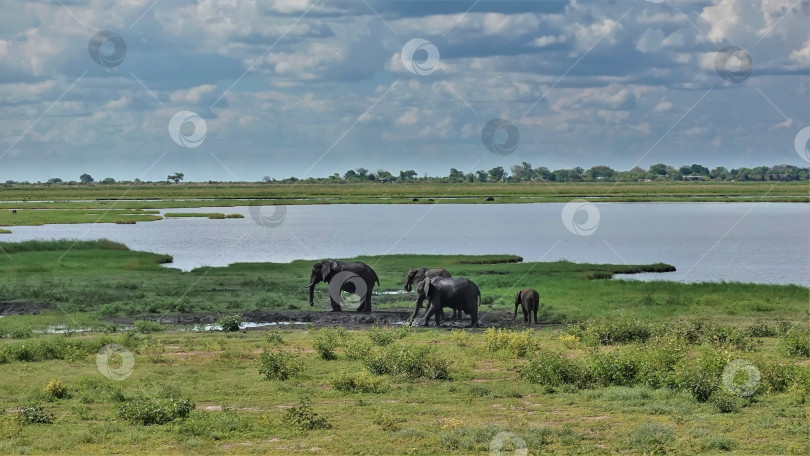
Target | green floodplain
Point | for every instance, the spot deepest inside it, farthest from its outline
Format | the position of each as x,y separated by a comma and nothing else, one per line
617,366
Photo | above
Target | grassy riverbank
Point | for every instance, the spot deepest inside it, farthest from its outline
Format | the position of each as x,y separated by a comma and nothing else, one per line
640,373
114,203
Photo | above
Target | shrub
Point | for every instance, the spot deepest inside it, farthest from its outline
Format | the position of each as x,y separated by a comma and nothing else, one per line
761,329
652,438
569,340
56,389
274,337
360,382
34,414
609,331
153,349
303,418
387,420
797,342
614,368
519,343
279,365
148,326
219,425
461,337
554,369
409,362
325,342
380,336
230,322
718,443
149,411
724,401
358,348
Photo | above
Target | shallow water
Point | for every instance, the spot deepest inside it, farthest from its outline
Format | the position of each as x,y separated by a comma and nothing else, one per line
747,242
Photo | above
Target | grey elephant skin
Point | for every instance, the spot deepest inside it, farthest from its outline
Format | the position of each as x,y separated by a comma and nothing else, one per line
529,300
456,293
417,275
324,271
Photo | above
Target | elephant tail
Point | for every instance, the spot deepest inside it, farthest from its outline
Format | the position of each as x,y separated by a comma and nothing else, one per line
376,279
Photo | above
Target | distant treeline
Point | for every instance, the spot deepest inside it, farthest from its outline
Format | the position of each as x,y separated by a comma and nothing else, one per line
523,172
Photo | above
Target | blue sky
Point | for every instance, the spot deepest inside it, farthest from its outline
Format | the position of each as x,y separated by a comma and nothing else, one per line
310,88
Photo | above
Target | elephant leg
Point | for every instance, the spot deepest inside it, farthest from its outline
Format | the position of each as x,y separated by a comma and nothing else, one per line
335,306
474,314
428,313
527,315
535,315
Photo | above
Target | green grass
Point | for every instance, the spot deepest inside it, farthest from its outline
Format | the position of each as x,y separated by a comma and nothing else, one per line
211,215
114,203
338,407
104,278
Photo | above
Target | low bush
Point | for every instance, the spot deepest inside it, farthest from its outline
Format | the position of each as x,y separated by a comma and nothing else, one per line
461,337
230,323
154,411
652,438
274,337
381,337
761,329
279,365
34,414
303,418
385,419
326,341
614,367
554,369
358,348
409,362
796,341
609,331
518,343
148,326
56,389
360,382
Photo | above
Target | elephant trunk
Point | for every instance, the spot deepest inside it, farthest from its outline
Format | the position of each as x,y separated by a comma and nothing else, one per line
311,293
407,286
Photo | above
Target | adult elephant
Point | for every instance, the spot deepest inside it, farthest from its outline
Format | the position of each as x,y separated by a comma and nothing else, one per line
529,300
352,277
417,275
457,293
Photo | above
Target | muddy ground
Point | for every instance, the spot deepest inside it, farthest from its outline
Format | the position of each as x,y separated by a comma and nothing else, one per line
347,319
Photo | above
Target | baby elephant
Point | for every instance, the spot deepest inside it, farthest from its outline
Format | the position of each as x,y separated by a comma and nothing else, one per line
529,299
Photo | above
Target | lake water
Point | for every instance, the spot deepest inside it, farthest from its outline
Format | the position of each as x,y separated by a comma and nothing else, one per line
747,242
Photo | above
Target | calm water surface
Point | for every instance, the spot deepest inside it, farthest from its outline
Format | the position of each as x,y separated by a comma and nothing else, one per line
748,242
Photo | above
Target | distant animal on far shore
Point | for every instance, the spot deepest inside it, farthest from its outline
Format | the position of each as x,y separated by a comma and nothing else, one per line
14,211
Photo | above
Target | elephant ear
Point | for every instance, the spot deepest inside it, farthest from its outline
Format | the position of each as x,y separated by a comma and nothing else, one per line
326,269
427,286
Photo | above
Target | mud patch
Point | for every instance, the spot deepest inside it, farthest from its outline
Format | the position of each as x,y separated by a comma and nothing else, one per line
21,308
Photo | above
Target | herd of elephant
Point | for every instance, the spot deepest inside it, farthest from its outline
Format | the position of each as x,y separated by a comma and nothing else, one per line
434,285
